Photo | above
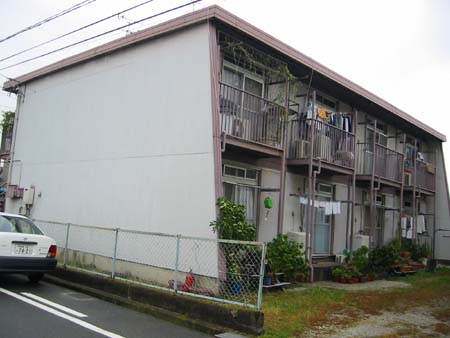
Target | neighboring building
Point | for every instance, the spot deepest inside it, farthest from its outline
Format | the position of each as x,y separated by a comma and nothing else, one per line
147,131
5,148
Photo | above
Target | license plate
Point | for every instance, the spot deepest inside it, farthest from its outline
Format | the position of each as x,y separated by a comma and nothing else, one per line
23,249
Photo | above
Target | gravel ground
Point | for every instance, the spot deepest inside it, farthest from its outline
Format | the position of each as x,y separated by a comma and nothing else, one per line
416,322
376,285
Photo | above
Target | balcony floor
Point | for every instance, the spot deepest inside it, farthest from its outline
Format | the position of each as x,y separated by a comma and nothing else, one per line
383,181
327,166
421,190
259,149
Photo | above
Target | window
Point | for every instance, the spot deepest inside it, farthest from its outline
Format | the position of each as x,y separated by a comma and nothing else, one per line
238,172
380,133
240,186
18,224
242,195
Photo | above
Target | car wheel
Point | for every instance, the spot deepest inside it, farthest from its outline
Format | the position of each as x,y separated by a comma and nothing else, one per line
35,277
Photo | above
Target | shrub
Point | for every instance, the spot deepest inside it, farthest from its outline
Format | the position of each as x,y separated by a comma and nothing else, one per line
232,223
382,258
361,258
285,256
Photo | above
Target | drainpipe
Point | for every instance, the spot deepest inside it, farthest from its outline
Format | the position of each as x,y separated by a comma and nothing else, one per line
309,209
372,186
283,166
414,236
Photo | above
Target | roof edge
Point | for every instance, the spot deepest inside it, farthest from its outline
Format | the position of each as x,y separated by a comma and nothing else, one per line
230,19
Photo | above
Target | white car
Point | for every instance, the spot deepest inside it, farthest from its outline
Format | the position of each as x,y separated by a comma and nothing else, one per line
24,248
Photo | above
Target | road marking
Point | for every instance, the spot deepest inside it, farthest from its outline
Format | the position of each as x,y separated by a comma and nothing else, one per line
61,314
55,305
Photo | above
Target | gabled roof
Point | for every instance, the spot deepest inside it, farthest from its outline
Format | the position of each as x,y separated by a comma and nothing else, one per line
218,13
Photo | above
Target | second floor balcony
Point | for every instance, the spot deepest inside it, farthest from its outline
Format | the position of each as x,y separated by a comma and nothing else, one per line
382,162
329,144
251,118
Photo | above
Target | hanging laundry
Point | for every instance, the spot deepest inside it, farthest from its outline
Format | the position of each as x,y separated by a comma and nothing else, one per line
321,113
420,224
409,234
328,208
336,208
303,200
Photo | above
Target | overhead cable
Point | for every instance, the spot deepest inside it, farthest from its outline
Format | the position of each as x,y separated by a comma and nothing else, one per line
76,30
101,34
53,17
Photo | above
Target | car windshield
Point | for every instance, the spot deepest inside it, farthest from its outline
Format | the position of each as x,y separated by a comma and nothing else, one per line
18,224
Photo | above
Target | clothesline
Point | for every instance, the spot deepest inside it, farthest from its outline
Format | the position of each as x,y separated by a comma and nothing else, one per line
331,207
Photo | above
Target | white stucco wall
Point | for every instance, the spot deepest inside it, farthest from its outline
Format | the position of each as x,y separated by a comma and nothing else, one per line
124,140
267,227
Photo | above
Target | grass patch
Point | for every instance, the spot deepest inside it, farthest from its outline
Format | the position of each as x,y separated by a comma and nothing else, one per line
290,314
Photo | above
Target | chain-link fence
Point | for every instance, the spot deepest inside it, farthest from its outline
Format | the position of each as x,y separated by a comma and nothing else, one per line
221,270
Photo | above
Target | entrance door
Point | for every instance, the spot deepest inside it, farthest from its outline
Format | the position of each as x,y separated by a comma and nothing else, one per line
379,226
322,225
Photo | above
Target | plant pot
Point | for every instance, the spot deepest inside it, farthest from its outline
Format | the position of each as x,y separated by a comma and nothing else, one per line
405,254
267,280
354,280
405,268
235,288
363,279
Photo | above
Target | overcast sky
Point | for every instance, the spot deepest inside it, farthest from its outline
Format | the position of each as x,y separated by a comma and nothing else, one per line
397,49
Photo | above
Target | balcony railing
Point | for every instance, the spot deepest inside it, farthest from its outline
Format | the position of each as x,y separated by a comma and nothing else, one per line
331,144
388,163
251,117
426,177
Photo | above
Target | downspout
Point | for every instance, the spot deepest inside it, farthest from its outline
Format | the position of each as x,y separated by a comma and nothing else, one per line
353,183
283,164
313,215
402,186
414,236
372,186
309,209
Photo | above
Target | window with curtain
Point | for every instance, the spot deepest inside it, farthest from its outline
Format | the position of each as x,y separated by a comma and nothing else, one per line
242,195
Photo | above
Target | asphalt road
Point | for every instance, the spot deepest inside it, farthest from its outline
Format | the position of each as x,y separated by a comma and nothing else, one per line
45,310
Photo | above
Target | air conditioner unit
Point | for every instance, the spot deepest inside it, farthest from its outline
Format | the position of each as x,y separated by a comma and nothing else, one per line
359,241
407,178
301,149
297,236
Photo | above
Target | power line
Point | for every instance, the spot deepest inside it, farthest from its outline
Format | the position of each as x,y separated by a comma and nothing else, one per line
76,30
53,17
101,34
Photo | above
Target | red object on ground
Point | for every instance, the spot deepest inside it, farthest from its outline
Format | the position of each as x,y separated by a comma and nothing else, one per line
188,282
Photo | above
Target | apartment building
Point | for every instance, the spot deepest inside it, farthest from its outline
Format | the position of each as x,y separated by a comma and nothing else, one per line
147,131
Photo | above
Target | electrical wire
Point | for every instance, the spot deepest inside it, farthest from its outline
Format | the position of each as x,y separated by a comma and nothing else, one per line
53,17
76,30
102,34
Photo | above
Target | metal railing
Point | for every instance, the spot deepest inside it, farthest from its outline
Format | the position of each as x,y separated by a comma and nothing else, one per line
251,117
331,144
388,163
220,270
426,177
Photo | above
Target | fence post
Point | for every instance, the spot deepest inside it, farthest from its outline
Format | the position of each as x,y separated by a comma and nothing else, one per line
113,268
66,245
177,260
261,276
